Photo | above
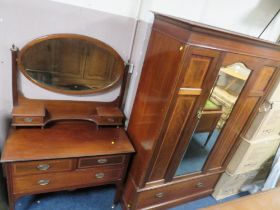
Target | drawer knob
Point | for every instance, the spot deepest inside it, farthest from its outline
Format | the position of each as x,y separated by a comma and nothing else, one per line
99,175
43,182
28,119
199,185
43,167
102,161
159,195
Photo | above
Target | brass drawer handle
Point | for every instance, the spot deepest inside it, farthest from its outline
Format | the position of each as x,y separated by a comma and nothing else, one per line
43,167
28,119
159,195
99,175
111,119
199,185
102,160
43,182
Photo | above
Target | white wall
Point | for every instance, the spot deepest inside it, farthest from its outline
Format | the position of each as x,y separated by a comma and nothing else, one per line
248,17
128,8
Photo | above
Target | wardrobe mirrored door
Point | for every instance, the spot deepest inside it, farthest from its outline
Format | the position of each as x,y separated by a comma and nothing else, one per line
213,116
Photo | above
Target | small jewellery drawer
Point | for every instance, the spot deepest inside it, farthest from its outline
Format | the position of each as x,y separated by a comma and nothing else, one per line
110,121
63,180
88,162
39,167
177,190
29,115
28,120
109,115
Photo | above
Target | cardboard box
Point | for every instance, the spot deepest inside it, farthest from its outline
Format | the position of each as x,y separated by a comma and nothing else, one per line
229,185
275,95
266,124
252,155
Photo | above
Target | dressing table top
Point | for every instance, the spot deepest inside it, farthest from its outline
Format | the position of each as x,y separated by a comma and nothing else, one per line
78,139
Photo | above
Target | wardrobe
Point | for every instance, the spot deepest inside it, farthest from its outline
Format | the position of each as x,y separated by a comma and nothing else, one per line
199,90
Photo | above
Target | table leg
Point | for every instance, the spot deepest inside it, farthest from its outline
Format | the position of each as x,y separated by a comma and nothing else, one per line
12,202
118,194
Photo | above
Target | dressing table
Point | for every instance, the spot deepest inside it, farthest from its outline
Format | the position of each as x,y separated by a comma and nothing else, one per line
56,145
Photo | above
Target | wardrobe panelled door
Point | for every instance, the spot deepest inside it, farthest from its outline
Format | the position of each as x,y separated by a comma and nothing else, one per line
192,89
154,98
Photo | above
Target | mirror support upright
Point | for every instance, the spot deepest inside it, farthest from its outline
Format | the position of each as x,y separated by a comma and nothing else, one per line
14,52
125,84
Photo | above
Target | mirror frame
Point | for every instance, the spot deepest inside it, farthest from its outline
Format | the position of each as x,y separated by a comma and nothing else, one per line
94,41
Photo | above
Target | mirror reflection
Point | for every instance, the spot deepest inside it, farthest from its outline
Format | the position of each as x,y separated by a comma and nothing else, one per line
71,64
213,116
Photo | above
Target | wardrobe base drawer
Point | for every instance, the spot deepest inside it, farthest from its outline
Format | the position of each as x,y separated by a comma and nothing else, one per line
63,180
176,190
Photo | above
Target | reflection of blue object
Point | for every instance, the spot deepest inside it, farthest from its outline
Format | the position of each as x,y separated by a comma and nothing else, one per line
197,154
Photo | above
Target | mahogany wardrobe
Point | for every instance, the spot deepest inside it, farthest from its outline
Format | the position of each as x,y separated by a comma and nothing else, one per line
199,90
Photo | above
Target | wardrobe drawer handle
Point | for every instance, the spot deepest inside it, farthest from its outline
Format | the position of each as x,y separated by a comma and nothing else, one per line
28,119
159,195
43,167
199,185
99,175
102,160
43,182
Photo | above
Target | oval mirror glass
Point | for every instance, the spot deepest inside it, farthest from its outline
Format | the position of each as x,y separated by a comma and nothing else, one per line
71,64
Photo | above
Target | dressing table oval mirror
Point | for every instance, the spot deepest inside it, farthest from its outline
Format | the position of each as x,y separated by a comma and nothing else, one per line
71,64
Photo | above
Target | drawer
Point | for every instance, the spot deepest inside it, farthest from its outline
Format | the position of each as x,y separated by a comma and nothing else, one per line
30,115
39,167
177,190
110,120
63,180
100,160
109,115
28,120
